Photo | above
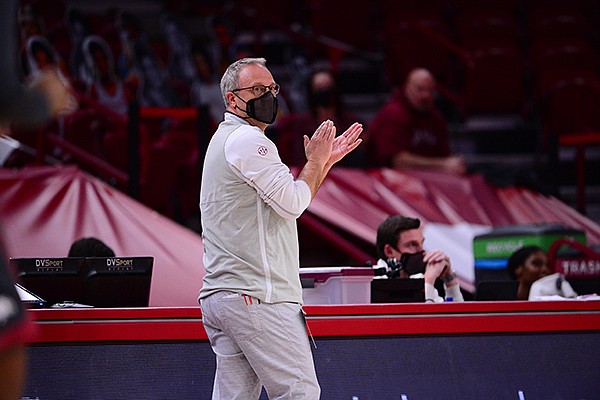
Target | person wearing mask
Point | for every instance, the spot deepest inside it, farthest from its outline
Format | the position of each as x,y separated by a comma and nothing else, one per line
324,103
251,296
409,132
398,236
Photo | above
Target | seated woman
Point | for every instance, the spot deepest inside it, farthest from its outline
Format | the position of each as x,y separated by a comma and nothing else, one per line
527,265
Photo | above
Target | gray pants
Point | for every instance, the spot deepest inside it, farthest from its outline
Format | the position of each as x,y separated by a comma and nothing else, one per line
258,344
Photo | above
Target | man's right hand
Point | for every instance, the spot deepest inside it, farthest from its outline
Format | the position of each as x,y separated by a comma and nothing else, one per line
318,148
318,151
437,263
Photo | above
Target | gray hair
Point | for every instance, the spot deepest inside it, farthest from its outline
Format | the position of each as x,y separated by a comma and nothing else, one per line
229,81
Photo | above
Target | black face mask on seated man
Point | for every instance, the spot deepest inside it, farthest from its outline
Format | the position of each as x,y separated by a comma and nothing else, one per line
263,109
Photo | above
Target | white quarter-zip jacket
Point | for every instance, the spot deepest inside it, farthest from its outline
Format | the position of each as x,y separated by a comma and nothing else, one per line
249,203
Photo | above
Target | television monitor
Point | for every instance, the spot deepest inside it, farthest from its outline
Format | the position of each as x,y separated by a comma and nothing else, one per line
118,281
397,290
55,280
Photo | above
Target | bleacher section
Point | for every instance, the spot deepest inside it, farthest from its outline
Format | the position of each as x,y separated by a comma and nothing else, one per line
519,81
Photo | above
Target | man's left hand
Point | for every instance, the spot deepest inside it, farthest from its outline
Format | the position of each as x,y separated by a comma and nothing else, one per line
345,143
438,264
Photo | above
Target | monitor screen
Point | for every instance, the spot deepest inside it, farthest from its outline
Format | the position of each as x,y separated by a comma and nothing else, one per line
54,280
89,281
29,298
118,281
397,291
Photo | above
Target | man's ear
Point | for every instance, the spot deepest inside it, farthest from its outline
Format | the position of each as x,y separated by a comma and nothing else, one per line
389,251
230,96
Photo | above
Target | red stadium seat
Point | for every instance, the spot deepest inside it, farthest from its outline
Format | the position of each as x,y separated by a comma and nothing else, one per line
52,11
184,142
558,21
485,27
570,118
418,40
85,129
563,54
158,174
570,106
552,60
114,148
354,26
494,83
61,40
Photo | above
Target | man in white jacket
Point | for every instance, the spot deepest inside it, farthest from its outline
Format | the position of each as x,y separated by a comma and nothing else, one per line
398,236
251,297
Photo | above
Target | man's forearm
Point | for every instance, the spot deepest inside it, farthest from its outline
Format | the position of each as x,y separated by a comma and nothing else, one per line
406,159
313,174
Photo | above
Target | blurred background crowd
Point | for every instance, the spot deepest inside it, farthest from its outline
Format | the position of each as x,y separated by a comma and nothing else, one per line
517,82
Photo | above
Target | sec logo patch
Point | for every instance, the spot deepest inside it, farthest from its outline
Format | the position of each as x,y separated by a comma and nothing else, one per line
263,151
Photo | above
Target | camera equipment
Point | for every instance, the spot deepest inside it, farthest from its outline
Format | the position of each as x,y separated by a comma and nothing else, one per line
394,267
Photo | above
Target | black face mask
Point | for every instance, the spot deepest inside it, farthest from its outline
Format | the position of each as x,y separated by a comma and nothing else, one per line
263,109
324,98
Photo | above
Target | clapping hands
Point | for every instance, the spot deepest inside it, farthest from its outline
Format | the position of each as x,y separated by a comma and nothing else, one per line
325,148
345,143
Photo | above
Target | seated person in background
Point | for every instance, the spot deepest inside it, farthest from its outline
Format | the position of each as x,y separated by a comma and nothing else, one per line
90,247
529,266
324,103
398,235
409,132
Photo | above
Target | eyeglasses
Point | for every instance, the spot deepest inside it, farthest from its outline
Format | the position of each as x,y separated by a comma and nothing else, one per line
259,90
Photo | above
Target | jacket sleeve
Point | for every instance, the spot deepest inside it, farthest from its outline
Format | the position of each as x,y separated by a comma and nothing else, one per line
454,292
255,159
431,294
